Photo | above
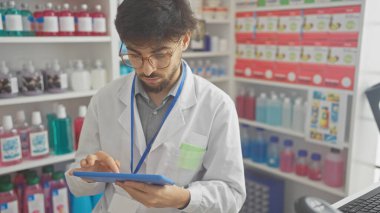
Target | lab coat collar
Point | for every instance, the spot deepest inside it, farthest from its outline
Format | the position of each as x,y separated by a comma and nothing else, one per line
175,120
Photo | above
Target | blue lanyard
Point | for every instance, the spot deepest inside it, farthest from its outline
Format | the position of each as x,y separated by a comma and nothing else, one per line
149,145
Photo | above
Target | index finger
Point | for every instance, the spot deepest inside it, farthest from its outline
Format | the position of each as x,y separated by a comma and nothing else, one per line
107,160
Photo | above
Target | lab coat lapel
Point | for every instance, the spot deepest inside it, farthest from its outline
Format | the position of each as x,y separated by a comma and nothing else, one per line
125,116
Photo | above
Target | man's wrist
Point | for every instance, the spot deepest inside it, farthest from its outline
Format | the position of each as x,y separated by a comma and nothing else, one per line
184,199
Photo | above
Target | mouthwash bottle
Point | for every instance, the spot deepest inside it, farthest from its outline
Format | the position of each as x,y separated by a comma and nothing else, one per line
27,20
23,130
34,197
66,21
39,144
47,173
10,145
62,133
59,193
13,20
84,21
50,21
2,19
99,21
8,199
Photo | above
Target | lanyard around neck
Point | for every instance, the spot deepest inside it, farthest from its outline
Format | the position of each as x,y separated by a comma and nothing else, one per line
149,145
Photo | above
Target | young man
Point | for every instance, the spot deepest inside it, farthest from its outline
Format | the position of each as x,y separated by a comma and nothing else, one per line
187,127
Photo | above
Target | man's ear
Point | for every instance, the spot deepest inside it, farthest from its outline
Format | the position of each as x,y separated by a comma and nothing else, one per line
186,41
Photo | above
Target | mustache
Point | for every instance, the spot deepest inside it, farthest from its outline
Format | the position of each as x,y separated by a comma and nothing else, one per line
153,75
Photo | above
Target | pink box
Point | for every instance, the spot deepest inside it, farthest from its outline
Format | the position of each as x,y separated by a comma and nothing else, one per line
340,77
342,54
316,25
345,23
245,25
266,26
286,72
290,24
311,75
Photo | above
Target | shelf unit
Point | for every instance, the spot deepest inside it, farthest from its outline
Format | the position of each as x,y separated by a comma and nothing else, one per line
64,39
272,128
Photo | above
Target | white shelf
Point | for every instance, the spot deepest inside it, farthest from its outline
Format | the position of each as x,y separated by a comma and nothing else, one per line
272,128
29,164
56,39
218,79
298,179
290,86
46,97
217,21
245,8
204,54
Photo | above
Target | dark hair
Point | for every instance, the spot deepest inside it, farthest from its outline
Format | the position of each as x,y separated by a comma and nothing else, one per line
154,21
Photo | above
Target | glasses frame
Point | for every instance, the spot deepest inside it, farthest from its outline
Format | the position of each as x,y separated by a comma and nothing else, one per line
148,58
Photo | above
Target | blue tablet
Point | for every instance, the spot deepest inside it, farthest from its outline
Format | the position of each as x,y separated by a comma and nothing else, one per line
110,177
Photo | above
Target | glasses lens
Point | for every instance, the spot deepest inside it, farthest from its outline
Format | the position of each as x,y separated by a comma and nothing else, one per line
160,60
133,61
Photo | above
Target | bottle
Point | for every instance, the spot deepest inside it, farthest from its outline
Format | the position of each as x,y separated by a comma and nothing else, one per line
315,170
50,117
99,22
259,147
8,82
13,20
39,143
245,141
261,108
84,22
56,79
62,133
23,131
273,155
301,163
287,113
38,19
240,105
32,80
27,20
2,19
298,116
59,193
50,21
10,150
78,123
80,78
250,105
8,199
34,197
274,114
66,21
287,157
47,172
75,14
333,168
98,75
19,183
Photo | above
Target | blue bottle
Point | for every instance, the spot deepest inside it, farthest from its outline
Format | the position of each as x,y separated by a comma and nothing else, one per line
81,204
245,141
62,133
261,108
95,199
259,147
273,155
274,113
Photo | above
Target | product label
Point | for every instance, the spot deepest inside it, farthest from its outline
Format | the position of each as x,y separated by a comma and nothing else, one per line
10,207
99,25
14,85
342,55
267,22
66,24
1,23
39,144
84,24
10,149
64,81
27,23
60,200
13,22
50,24
36,203
317,21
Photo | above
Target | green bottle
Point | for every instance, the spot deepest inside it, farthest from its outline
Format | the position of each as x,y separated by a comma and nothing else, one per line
62,133
13,20
2,19
27,20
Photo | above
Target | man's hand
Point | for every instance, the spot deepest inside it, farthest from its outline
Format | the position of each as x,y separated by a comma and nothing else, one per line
98,162
153,196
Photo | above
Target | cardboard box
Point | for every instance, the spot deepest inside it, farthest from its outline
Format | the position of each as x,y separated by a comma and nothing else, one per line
245,25
340,77
316,26
314,52
243,68
266,26
345,23
290,24
285,72
288,52
312,75
342,54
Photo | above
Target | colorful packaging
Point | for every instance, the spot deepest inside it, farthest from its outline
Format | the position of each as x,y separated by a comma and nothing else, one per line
345,23
316,24
314,52
342,54
290,24
286,72
266,24
245,25
288,52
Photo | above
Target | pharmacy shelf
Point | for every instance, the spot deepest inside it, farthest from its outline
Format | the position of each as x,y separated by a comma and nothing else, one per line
46,97
56,39
29,164
218,79
204,54
289,86
217,21
272,128
298,179
246,8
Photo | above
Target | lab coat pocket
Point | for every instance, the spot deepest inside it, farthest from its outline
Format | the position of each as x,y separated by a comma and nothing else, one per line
190,156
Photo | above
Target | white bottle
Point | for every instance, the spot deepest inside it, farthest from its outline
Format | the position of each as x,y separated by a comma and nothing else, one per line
98,75
287,113
298,116
80,78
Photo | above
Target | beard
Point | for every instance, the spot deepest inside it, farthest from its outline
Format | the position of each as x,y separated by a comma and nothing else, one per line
163,85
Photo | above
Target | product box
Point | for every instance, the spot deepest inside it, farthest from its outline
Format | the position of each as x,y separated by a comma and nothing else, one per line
265,51
250,50
286,73
314,52
312,75
345,23
243,68
342,54
316,25
263,71
240,50
340,77
290,24
288,52
266,26
245,25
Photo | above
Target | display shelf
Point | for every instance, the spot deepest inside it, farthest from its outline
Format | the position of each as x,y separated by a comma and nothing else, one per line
289,86
46,97
218,79
29,164
56,39
244,8
298,179
204,54
217,21
272,128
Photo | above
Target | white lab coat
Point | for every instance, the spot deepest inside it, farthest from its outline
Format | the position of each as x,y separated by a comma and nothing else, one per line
204,117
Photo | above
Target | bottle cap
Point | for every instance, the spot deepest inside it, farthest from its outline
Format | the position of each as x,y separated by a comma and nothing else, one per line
288,143
20,116
7,122
49,5
298,101
32,180
79,65
28,67
98,63
58,175
263,95
24,6
316,157
30,173
61,111
84,7
273,139
36,118
82,111
66,6
6,187
48,169
302,153
3,68
55,66
286,100
11,4
98,8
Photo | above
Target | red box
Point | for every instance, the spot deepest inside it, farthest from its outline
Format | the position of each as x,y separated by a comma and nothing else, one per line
286,72
311,75
245,25
263,71
345,23
340,78
266,26
290,25
316,25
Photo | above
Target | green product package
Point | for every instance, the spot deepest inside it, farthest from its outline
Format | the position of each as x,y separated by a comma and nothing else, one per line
190,156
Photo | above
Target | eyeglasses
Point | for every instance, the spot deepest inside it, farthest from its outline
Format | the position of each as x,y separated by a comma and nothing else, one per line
158,61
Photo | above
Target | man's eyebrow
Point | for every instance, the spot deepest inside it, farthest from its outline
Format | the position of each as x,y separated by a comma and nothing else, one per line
153,51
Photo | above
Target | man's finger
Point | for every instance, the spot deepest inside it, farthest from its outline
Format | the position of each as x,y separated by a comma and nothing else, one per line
108,161
90,160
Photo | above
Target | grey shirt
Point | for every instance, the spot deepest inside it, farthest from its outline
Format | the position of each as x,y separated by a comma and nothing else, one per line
151,115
